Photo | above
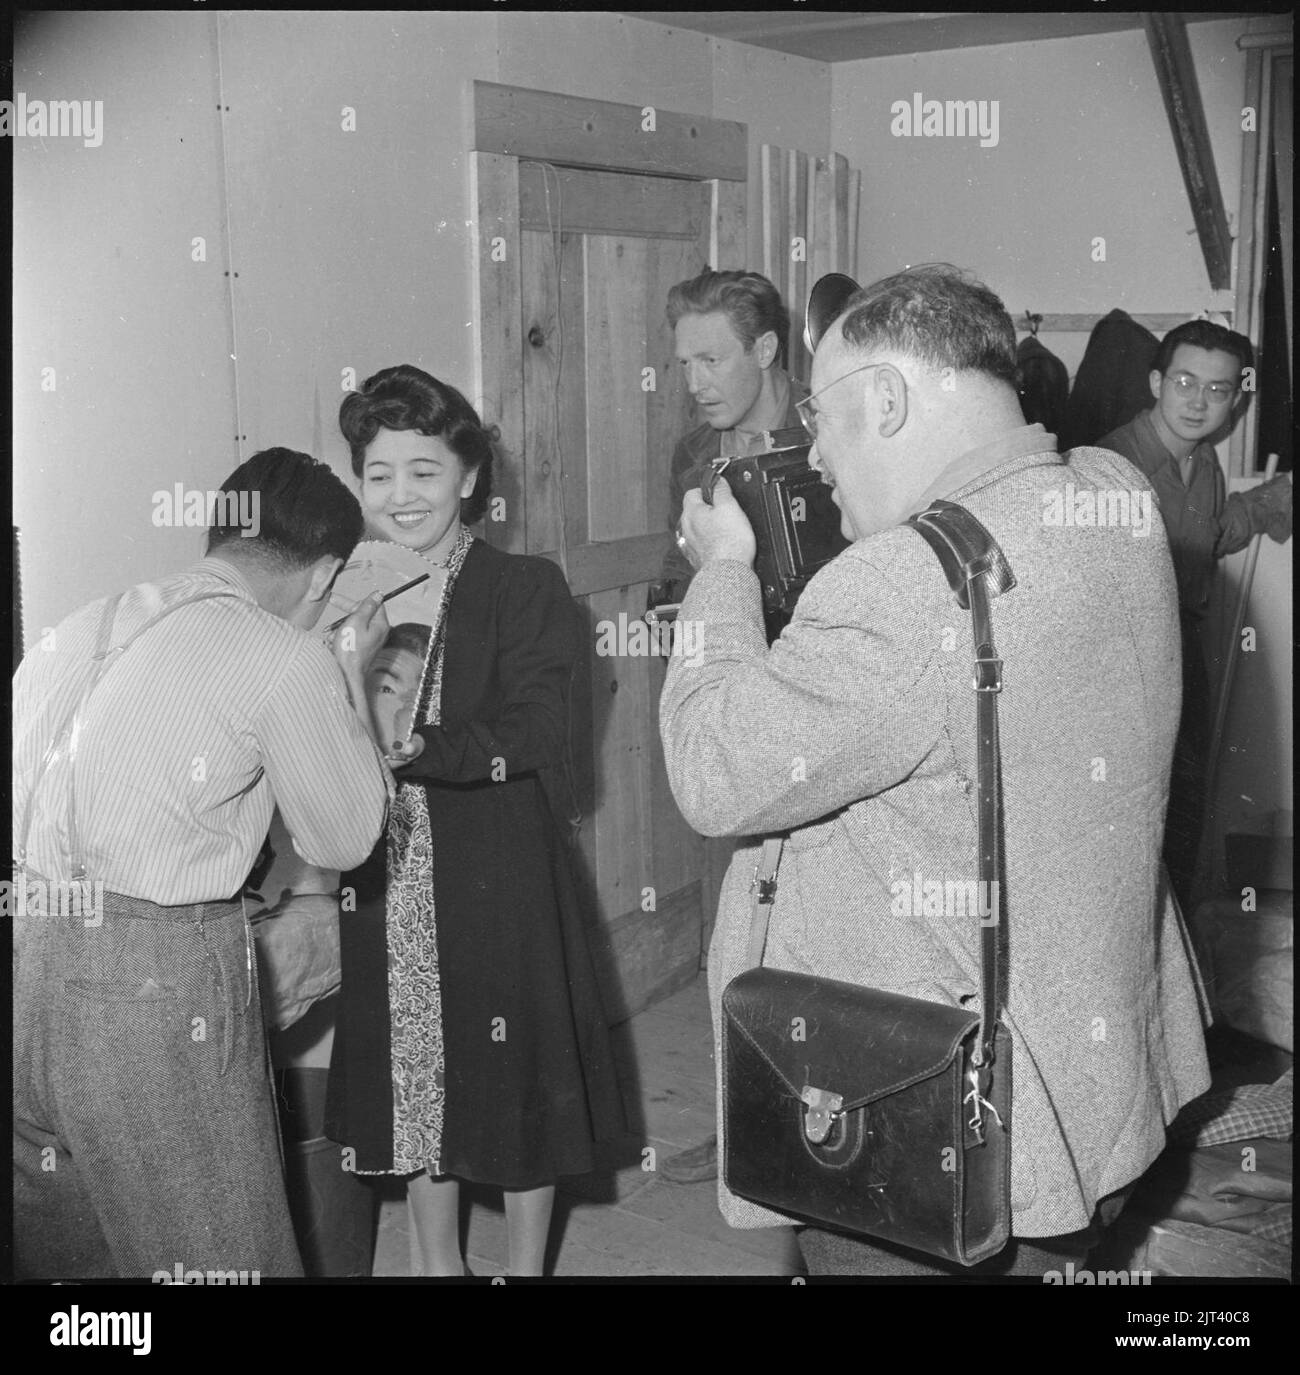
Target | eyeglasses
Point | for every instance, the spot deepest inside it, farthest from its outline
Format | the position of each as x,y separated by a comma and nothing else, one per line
805,407
1187,387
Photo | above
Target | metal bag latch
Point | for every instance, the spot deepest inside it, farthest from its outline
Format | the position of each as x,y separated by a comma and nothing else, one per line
822,1109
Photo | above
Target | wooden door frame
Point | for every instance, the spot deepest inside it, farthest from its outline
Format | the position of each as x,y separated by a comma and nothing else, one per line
510,123
1262,51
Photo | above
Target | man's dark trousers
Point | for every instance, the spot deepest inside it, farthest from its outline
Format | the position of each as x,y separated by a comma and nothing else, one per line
144,1127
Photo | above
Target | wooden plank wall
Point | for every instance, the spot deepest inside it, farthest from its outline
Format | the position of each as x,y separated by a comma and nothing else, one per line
495,267
578,367
810,227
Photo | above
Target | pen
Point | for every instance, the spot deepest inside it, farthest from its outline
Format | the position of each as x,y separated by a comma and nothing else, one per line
388,596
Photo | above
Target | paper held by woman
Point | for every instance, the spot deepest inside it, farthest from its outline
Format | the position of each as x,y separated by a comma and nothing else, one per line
379,566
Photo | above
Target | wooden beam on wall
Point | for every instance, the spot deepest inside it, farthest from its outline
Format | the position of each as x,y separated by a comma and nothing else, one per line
1176,73
602,565
1242,439
1284,174
600,133
581,201
727,241
1085,324
497,293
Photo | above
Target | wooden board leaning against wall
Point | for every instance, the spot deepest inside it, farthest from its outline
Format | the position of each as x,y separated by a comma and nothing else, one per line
585,219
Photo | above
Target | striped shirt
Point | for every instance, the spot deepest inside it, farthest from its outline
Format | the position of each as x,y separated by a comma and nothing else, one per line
194,734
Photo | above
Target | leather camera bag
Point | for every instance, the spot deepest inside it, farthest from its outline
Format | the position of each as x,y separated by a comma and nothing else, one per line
863,1110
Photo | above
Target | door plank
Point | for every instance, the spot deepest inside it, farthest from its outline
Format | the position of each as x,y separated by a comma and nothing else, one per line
798,190
616,409
581,200
620,727
542,347
823,219
840,206
730,248
573,386
855,206
668,262
497,290
602,566
599,133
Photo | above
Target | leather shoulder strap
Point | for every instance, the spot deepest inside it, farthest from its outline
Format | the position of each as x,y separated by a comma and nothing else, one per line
977,570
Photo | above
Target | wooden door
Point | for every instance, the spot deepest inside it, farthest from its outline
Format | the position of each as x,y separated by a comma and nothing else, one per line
574,264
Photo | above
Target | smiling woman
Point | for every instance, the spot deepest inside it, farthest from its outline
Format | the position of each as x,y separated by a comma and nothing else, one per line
424,461
471,1041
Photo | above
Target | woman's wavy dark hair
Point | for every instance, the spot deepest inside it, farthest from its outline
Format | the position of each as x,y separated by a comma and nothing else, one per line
407,398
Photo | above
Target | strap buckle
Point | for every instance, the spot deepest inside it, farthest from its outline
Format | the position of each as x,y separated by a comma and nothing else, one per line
978,1103
762,889
988,675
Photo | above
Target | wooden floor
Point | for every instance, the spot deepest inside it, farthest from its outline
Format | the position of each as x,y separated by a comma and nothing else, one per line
629,1221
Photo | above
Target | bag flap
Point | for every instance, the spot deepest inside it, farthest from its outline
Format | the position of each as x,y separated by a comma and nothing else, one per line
860,1043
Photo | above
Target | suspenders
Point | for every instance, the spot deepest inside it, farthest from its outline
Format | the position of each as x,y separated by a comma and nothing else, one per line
67,738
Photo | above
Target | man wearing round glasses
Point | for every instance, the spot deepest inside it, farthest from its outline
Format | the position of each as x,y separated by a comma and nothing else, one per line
853,735
1196,380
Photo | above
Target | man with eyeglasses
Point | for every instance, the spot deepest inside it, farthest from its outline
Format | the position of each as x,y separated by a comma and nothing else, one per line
1196,380
854,736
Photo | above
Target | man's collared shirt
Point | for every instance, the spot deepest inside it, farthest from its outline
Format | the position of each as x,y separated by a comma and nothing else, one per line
194,734
1204,523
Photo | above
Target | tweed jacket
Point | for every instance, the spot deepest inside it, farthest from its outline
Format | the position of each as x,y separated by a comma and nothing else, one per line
855,733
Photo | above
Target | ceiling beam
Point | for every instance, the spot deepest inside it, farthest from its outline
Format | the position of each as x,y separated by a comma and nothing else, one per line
1172,55
836,36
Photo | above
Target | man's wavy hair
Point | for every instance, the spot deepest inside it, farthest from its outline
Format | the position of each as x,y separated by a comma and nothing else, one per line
749,301
939,315
407,398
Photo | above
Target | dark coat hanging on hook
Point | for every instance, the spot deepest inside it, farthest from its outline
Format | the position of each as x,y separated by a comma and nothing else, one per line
1112,384
1043,382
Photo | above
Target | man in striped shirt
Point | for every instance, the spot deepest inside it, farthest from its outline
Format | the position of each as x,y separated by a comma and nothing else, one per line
154,734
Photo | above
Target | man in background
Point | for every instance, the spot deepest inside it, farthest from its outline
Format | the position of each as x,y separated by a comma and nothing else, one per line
732,332
1196,380
154,732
